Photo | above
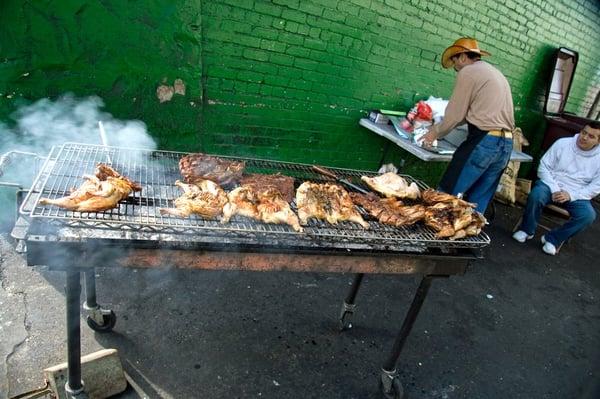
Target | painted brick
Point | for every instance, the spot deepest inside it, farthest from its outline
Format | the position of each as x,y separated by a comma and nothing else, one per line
321,64
311,8
266,8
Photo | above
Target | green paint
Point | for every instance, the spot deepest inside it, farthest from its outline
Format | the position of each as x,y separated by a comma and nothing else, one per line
285,79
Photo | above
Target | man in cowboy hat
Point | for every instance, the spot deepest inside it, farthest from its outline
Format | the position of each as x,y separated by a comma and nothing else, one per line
481,98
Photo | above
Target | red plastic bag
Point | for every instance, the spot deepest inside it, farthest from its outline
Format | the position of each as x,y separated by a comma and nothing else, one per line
424,111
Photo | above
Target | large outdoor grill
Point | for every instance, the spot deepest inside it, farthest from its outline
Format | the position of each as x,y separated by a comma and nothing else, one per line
136,235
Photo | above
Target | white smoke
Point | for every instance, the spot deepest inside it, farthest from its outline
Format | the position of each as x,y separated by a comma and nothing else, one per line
46,123
36,128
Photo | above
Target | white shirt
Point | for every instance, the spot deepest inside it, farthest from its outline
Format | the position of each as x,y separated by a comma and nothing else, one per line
567,167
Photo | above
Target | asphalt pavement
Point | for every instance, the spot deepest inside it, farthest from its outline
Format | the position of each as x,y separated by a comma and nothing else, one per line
519,324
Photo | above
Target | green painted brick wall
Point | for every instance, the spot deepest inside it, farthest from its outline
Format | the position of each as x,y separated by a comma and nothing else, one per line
286,79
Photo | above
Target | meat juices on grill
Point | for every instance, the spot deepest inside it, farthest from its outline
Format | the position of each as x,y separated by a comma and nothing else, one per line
205,198
392,185
389,210
326,201
97,193
266,205
197,167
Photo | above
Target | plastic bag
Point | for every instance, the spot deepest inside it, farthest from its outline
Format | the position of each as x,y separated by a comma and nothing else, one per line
424,111
438,107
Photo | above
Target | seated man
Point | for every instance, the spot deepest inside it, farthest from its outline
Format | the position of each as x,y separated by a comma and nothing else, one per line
569,174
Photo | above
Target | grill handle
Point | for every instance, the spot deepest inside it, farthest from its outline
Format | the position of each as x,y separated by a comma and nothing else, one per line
328,173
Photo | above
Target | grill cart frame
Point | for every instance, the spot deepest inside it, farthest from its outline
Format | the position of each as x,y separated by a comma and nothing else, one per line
136,235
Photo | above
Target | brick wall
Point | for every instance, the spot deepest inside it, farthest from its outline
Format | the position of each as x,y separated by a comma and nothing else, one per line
288,79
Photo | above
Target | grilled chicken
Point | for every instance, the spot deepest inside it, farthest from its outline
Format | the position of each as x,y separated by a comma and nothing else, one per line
197,167
97,193
266,205
241,201
272,208
326,201
390,210
392,185
453,219
205,199
431,196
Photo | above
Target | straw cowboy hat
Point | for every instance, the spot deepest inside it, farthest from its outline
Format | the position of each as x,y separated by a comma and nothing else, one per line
462,45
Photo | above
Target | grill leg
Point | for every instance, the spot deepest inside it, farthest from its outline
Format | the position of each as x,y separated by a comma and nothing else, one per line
389,382
74,385
98,319
348,306
90,289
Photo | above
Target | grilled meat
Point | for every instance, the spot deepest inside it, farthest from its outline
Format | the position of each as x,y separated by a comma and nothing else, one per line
439,217
431,196
97,193
197,167
205,198
272,208
453,219
266,205
390,210
241,201
392,185
279,182
326,201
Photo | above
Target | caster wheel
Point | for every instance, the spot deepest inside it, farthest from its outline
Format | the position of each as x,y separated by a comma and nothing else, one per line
109,321
396,390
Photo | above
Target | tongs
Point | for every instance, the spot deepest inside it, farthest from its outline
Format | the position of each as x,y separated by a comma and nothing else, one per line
328,173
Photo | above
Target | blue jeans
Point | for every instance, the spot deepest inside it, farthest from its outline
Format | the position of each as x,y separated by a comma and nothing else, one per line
482,171
581,211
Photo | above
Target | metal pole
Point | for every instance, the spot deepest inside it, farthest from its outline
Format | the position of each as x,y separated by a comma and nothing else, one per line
409,320
348,306
74,385
354,289
90,289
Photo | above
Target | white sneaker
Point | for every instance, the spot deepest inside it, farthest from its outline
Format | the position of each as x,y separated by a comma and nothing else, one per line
548,247
521,236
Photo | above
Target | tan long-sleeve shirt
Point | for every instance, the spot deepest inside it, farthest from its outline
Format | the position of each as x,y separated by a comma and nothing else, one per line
482,97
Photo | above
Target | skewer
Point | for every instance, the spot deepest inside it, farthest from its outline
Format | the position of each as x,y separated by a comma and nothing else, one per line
104,140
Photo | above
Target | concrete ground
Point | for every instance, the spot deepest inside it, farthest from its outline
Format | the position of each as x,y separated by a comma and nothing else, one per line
519,324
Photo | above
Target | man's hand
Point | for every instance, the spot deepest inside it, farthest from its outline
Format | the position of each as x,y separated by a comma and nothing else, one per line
561,197
428,138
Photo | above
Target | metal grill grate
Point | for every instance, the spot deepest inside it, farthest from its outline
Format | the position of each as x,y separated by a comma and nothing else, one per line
157,171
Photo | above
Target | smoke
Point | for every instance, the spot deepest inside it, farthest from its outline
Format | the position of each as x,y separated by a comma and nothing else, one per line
47,123
37,127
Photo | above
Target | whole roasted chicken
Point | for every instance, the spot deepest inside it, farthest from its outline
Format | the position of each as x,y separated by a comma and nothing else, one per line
326,201
392,185
205,198
97,193
266,205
